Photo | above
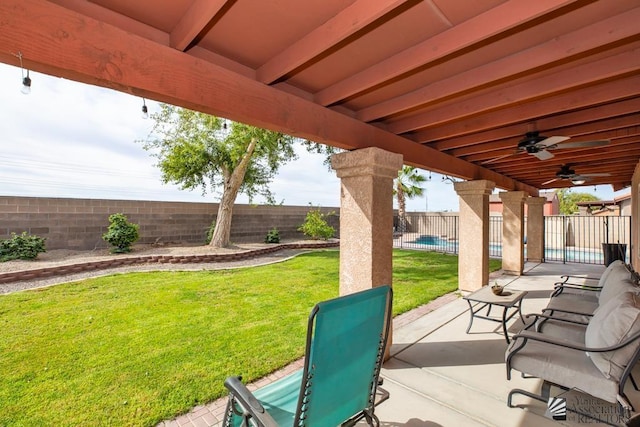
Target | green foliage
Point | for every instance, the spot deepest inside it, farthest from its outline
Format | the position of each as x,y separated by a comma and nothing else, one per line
21,246
273,236
121,234
408,183
210,231
315,225
197,150
568,200
407,186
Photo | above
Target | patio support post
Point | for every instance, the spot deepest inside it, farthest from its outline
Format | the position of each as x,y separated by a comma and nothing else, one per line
366,216
535,228
513,231
473,249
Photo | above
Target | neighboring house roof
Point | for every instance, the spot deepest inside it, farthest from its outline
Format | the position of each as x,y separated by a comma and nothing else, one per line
603,203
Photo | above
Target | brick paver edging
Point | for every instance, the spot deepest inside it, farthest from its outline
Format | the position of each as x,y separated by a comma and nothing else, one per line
61,270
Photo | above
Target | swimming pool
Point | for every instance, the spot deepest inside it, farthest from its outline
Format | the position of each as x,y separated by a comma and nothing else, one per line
567,254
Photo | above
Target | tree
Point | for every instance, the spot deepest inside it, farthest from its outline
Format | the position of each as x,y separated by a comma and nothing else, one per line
407,186
568,200
197,150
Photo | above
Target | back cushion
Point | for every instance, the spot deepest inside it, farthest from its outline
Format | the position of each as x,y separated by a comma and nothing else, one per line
605,273
611,324
618,281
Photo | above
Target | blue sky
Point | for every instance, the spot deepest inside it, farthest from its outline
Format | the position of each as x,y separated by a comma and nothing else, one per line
68,139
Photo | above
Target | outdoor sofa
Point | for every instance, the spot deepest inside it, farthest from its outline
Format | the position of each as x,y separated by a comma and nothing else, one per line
586,339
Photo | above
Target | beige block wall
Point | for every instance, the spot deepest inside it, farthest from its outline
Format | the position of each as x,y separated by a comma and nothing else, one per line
79,223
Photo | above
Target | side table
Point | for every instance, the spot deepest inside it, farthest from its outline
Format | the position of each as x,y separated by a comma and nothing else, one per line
484,297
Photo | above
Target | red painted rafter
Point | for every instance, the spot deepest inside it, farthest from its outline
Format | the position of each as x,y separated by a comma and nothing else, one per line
587,74
557,49
194,21
100,54
602,93
545,125
618,127
350,20
473,31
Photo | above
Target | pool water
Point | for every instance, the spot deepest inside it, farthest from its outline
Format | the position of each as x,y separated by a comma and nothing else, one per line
569,254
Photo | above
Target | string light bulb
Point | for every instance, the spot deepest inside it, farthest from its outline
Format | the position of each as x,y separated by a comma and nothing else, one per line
145,110
26,84
26,80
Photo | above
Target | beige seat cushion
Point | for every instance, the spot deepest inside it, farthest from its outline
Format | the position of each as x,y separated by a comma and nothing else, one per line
563,366
611,324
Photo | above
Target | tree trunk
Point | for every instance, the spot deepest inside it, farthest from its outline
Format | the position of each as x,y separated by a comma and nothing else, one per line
402,219
222,233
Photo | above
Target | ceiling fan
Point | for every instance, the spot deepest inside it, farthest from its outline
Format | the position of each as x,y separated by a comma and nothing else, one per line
541,146
566,173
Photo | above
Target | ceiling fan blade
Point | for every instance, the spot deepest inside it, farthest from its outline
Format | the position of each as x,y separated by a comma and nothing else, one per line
543,155
552,140
550,181
583,144
495,159
595,174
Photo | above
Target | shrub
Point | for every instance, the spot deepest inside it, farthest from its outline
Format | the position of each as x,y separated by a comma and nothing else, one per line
210,230
273,236
121,234
21,246
315,225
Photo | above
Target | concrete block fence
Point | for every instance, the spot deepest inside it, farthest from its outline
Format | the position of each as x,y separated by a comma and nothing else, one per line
79,223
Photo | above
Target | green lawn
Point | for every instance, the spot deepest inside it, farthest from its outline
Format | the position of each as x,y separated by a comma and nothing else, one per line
139,348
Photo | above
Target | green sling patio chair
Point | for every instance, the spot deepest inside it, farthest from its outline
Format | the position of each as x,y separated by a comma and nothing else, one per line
346,338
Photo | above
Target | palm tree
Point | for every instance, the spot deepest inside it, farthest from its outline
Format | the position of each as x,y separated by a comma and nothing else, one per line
407,186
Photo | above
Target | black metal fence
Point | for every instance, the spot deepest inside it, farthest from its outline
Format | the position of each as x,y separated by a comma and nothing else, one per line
587,239
581,239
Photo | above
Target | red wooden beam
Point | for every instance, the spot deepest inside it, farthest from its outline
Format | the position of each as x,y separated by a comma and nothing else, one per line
590,73
603,93
557,49
546,125
352,19
473,31
194,21
61,42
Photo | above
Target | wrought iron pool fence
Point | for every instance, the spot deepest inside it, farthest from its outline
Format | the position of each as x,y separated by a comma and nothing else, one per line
577,239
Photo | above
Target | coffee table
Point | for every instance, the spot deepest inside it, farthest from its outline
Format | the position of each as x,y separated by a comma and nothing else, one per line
509,300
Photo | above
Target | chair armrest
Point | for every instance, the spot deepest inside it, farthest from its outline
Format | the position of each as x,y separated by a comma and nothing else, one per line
559,287
252,407
560,310
570,276
541,337
545,316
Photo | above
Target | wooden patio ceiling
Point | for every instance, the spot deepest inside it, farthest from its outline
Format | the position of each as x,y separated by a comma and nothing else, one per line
453,85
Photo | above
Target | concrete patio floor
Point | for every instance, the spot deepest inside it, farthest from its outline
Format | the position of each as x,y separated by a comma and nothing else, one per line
438,375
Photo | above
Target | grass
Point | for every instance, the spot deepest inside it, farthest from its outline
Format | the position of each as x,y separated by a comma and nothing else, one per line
139,348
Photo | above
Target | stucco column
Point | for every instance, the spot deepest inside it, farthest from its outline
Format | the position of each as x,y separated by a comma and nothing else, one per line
535,228
513,231
473,248
366,217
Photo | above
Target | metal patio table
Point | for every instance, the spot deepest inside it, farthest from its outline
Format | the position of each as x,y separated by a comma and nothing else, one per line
484,297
